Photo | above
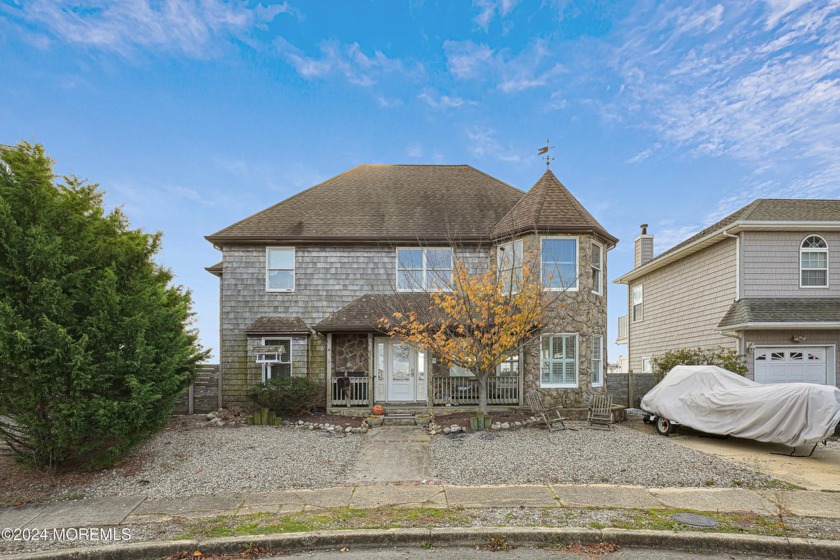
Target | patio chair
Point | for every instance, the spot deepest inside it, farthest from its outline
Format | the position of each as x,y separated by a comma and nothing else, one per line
547,416
600,411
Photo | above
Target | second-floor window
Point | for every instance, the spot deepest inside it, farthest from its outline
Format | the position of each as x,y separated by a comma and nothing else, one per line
597,269
280,269
509,263
421,269
559,263
638,303
813,262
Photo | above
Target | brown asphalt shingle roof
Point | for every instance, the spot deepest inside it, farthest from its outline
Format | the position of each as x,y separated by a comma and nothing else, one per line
363,314
771,210
278,325
781,310
384,203
548,206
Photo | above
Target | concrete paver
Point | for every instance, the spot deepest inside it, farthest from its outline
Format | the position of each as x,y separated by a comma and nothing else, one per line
20,516
81,513
731,500
394,454
500,496
398,496
606,496
803,503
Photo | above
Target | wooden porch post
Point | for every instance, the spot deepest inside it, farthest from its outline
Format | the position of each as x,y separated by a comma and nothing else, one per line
329,370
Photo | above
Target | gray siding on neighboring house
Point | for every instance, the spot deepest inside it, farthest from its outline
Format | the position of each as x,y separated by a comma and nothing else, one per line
326,279
771,264
784,338
683,303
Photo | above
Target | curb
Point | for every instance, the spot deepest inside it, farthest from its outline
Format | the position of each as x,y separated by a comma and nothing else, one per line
464,536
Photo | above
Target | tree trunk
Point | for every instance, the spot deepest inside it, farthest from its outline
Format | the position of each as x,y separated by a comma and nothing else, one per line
482,392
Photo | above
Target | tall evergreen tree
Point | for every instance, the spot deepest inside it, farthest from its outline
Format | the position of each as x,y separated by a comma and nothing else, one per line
95,344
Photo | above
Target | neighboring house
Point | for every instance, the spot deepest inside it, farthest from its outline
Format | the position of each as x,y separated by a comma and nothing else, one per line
305,282
764,281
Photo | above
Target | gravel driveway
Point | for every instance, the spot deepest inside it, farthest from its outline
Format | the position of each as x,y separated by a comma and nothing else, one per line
585,456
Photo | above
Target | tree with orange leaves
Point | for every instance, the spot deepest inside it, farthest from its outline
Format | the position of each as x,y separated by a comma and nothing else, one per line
477,324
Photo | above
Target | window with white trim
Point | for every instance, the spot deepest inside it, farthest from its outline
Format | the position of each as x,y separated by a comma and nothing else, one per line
646,366
559,263
597,268
509,367
813,262
597,362
559,360
275,358
509,264
638,303
458,371
420,269
280,269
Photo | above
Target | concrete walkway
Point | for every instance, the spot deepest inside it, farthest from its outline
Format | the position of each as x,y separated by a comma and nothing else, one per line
139,510
393,454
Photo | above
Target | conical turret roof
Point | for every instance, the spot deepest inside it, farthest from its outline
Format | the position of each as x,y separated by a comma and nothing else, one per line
549,207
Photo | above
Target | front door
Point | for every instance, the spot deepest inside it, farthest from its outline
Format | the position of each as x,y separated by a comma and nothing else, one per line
401,372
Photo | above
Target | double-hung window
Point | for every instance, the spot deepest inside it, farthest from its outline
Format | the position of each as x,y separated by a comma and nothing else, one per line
597,269
275,357
559,360
813,262
424,269
638,303
559,263
509,265
597,361
280,269
509,367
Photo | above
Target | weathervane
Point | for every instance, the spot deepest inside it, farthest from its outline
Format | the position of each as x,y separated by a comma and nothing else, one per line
544,152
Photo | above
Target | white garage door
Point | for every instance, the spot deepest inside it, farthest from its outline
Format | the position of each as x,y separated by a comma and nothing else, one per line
802,364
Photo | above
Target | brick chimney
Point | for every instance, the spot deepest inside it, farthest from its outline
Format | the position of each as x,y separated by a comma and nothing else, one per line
644,248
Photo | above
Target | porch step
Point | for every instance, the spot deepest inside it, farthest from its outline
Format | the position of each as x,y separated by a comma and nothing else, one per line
399,419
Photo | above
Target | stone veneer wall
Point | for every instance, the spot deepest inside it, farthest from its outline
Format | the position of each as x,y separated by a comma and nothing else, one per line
350,352
581,312
327,278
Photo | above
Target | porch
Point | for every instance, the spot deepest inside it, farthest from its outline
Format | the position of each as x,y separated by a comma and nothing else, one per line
444,391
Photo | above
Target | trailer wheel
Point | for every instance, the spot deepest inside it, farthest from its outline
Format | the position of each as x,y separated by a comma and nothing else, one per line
664,426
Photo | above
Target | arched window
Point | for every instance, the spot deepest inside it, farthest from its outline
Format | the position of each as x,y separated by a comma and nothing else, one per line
813,262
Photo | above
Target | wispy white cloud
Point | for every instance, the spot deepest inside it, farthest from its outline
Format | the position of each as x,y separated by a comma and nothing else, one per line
757,83
126,26
346,60
441,101
489,9
533,67
483,143
414,150
644,154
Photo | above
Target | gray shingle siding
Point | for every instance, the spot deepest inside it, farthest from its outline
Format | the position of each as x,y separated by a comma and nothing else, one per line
771,264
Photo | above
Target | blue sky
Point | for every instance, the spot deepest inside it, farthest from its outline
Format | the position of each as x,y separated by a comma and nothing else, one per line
194,114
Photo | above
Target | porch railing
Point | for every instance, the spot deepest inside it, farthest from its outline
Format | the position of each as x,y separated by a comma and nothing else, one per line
358,391
464,390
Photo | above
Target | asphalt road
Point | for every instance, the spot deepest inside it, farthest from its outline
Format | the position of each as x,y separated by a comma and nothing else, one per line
521,553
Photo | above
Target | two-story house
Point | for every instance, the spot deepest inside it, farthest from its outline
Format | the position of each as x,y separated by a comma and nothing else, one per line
305,282
763,281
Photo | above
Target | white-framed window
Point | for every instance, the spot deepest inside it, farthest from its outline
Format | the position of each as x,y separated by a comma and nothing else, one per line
458,371
510,367
280,269
638,303
597,361
813,262
559,366
420,269
559,263
646,365
597,268
509,264
276,360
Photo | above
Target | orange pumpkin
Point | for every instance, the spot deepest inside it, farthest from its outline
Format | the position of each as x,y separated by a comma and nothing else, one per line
378,410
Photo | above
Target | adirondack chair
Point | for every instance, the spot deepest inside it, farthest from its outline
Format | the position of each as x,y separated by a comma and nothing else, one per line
547,416
600,411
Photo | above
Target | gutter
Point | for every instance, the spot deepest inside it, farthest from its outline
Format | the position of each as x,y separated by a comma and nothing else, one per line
814,325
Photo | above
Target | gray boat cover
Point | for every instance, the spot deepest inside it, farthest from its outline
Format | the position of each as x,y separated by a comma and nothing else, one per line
716,401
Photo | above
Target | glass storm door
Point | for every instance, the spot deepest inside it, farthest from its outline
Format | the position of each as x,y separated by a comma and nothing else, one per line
401,374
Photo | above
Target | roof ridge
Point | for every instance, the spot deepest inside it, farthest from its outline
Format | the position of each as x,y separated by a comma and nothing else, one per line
497,180
747,210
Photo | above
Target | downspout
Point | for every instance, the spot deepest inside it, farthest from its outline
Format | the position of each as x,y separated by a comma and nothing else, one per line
737,239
